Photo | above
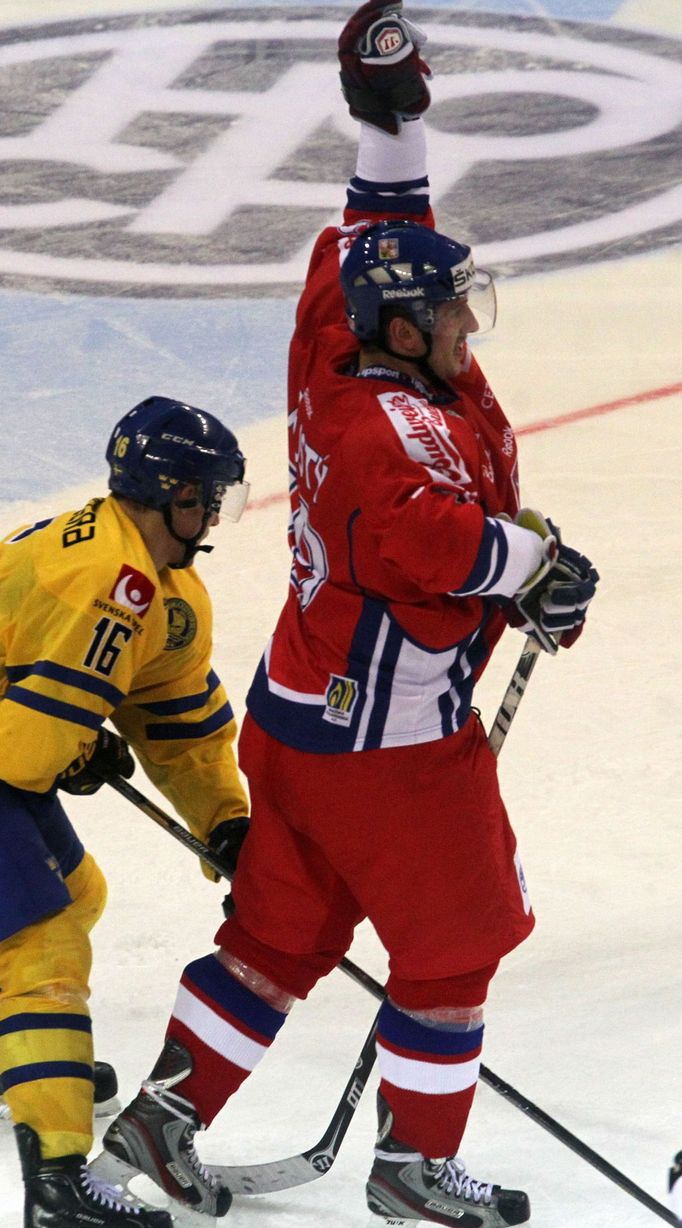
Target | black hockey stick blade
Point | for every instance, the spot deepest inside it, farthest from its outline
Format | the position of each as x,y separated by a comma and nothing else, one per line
317,1160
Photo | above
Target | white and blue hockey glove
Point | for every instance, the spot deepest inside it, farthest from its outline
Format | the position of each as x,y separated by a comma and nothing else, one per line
382,72
552,604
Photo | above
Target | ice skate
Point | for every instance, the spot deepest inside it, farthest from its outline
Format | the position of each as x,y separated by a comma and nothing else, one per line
405,1186
64,1193
106,1087
155,1135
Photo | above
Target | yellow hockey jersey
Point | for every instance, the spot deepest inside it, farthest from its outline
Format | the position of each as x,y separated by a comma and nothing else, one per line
88,630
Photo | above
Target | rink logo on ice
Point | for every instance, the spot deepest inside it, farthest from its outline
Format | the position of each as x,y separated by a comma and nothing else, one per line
342,695
194,154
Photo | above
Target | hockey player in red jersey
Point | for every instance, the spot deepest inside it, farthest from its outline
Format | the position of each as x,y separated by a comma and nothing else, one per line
374,793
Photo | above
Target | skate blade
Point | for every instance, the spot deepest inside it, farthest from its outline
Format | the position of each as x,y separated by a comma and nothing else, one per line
392,1221
121,1175
108,1108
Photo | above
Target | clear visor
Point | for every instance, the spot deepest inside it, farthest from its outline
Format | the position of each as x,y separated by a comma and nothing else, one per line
482,300
232,501
224,500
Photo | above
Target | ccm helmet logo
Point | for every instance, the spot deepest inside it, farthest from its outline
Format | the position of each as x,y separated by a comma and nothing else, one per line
178,439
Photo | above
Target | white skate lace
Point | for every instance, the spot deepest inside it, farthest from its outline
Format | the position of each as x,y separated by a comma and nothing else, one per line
172,1102
452,1177
104,1194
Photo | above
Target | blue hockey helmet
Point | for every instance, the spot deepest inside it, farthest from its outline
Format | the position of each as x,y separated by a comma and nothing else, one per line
161,443
403,264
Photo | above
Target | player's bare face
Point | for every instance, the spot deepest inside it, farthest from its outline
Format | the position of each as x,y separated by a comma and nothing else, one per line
454,322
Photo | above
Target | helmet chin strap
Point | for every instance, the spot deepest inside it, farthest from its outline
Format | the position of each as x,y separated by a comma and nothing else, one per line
191,544
422,362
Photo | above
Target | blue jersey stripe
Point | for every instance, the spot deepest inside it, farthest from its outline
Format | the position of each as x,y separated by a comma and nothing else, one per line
186,703
68,677
54,707
406,1033
33,528
446,707
208,975
197,729
26,1022
45,1070
383,685
490,562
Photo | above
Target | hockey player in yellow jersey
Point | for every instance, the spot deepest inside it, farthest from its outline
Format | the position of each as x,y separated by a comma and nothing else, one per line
102,615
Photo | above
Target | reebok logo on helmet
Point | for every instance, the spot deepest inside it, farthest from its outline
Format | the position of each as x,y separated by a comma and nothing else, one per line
406,292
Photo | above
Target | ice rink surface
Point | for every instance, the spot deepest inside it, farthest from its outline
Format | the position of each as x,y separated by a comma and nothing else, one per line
155,211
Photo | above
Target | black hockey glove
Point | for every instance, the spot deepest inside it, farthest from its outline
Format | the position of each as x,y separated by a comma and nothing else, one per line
382,73
225,842
552,604
106,757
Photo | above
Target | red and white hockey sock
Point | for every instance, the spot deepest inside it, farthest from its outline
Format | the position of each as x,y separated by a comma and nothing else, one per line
226,1028
428,1079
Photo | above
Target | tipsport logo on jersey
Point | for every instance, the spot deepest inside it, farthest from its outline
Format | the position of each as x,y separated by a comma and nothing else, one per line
182,154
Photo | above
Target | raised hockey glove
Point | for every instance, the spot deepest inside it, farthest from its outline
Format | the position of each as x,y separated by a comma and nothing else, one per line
225,842
382,72
552,604
107,756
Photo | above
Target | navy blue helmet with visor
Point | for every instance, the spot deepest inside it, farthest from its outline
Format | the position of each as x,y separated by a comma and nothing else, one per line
162,444
406,265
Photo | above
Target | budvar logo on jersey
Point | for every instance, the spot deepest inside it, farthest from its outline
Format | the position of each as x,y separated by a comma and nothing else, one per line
173,154
425,436
132,590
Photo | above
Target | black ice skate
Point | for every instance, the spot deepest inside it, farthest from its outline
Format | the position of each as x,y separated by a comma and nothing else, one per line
155,1135
404,1185
63,1193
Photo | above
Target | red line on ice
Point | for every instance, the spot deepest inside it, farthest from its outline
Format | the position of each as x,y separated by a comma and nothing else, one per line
532,428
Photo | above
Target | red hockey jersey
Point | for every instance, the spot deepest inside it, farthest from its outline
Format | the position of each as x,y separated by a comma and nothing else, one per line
396,551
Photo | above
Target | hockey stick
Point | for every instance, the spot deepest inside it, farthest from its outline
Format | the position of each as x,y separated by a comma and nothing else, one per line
519,1100
317,1160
